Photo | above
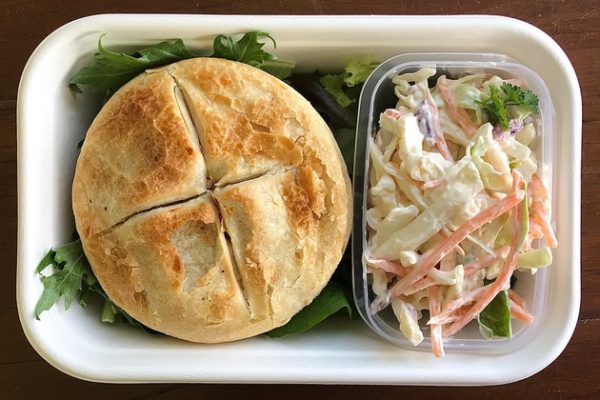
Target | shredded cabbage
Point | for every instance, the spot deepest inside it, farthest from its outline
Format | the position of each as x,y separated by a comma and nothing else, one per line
450,170
537,258
409,324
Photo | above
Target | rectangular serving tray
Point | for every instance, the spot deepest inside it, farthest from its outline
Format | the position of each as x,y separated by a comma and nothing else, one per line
51,121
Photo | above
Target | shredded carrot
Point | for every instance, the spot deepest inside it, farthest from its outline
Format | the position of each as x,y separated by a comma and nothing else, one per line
516,298
433,256
451,307
502,280
421,284
444,319
444,233
518,308
534,229
485,297
539,194
437,343
486,261
469,269
446,264
541,218
389,266
538,189
517,180
449,314
458,114
520,313
535,232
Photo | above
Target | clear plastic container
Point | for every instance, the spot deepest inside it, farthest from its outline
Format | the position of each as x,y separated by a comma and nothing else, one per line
377,95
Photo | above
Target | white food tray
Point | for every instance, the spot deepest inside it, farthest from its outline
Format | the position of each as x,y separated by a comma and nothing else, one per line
51,121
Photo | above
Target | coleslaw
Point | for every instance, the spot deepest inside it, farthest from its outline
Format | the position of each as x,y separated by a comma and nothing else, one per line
456,204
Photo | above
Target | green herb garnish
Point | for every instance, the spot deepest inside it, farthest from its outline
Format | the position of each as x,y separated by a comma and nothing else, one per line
496,105
515,96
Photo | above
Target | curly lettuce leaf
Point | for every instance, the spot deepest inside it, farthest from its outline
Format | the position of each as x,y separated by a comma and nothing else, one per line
334,84
358,70
355,73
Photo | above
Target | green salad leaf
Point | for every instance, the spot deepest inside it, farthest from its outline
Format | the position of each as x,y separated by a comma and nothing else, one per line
281,69
71,276
111,70
332,299
345,140
358,70
249,50
355,73
71,271
334,84
495,319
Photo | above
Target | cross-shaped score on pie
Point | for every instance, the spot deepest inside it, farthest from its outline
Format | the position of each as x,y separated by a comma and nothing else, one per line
211,200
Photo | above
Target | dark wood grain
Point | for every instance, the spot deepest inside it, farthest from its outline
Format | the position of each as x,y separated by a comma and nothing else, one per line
575,25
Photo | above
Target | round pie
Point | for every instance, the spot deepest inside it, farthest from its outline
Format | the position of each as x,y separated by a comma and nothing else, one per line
211,199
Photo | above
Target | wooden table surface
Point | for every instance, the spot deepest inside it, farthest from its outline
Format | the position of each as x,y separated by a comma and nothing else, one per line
575,25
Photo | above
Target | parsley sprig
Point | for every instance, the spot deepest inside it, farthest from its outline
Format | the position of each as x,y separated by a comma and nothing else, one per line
496,105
